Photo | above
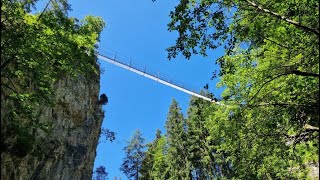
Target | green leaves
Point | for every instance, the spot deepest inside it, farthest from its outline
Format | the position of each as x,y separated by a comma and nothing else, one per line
38,50
270,80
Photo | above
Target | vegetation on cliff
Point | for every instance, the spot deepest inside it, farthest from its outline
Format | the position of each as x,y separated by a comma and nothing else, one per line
37,49
265,127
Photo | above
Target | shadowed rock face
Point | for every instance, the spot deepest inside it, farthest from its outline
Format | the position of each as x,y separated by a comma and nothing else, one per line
69,150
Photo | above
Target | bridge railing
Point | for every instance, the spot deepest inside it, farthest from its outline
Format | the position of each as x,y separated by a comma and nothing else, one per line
128,62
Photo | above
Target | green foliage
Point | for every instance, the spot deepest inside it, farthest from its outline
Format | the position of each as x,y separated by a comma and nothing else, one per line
107,134
178,164
204,25
37,50
134,155
201,152
154,165
100,173
267,126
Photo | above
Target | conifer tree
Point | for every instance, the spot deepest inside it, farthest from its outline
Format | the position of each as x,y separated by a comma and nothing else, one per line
199,148
134,155
147,163
154,164
178,165
200,144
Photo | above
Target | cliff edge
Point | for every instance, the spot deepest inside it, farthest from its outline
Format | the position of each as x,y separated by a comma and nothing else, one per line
67,151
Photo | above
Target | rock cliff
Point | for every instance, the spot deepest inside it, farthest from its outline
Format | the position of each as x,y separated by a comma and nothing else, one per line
68,149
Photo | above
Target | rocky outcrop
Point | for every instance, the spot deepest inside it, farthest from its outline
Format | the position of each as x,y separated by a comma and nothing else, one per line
68,149
314,171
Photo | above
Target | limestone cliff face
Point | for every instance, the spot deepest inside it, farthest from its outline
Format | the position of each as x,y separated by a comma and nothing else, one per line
69,149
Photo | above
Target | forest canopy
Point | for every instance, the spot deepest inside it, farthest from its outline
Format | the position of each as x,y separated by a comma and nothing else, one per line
268,124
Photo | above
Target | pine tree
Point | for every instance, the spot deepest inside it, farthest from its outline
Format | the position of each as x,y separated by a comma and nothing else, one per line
154,164
100,173
200,154
178,165
201,151
134,155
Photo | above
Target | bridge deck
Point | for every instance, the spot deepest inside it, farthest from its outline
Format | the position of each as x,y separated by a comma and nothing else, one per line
156,77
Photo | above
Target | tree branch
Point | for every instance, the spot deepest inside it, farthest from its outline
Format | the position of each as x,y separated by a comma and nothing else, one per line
4,65
281,45
8,87
265,84
296,72
309,127
44,10
282,104
303,137
295,23
301,73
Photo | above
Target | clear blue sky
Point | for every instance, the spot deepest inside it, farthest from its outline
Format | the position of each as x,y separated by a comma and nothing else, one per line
138,29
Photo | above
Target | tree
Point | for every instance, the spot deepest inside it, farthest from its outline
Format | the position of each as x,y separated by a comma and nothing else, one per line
134,154
154,165
100,173
204,25
267,125
106,134
177,157
38,50
200,155
200,144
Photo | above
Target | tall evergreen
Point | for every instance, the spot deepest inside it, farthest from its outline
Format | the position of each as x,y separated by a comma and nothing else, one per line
134,155
200,152
200,145
154,164
178,165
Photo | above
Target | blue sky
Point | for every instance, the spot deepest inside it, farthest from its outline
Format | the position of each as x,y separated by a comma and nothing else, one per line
138,30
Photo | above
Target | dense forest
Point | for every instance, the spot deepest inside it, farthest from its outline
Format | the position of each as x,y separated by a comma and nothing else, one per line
267,125
207,145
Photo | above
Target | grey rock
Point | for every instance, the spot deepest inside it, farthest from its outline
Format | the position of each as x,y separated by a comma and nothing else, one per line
69,150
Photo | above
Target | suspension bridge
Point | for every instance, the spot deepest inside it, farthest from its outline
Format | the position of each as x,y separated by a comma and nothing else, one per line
124,63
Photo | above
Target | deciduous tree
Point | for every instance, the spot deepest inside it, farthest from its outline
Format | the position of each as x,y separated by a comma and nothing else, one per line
268,122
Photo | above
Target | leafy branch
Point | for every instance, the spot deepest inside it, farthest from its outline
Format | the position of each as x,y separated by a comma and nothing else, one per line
295,23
